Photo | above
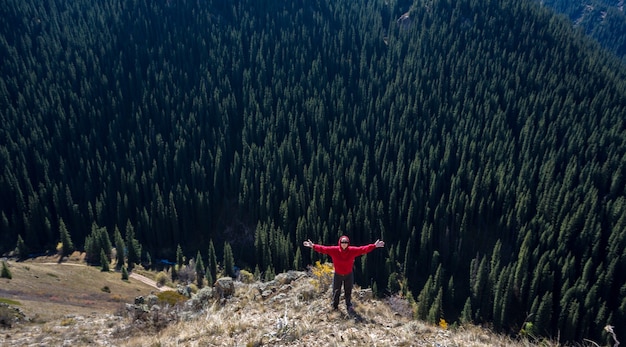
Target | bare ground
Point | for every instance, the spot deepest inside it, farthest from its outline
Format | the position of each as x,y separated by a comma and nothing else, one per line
67,298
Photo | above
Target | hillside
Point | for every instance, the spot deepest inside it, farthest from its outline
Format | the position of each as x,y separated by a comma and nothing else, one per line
603,20
483,141
290,311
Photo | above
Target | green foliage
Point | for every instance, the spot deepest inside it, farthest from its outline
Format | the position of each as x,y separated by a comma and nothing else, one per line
104,262
209,278
21,249
229,261
124,273
180,256
171,297
246,276
5,272
120,248
478,139
161,279
393,284
97,243
133,247
211,264
67,246
269,274
199,264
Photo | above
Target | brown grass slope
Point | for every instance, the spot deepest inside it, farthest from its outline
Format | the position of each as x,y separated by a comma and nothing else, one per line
66,305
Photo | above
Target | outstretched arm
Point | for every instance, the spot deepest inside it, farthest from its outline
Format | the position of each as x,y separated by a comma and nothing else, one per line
360,250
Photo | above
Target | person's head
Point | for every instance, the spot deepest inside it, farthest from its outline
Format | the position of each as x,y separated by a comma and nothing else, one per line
344,242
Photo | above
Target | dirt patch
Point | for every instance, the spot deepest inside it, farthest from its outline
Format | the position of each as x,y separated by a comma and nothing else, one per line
47,290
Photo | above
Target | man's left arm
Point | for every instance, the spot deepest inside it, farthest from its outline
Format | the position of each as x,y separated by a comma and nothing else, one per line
368,248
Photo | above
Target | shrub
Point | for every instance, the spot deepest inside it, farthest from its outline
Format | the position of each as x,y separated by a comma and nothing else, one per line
323,275
171,297
246,277
161,279
186,274
5,272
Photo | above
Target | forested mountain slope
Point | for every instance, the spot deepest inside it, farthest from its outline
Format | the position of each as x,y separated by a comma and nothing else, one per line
484,141
604,20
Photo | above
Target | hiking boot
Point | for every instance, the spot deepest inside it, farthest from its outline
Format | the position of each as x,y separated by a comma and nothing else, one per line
350,309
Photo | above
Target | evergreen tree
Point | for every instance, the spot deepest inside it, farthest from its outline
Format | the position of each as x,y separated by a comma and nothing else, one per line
212,262
269,274
180,257
199,264
209,278
120,249
133,247
67,246
148,261
124,273
20,248
5,272
297,260
229,260
104,261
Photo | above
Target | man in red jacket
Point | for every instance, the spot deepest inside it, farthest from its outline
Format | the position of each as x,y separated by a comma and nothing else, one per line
343,256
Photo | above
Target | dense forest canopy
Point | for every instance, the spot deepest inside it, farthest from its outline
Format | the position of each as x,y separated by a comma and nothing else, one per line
604,20
484,141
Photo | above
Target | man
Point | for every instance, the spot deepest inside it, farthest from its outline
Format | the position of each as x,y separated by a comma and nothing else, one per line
343,256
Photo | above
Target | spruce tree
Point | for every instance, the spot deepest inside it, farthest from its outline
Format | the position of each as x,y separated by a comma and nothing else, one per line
148,260
209,278
20,248
199,270
67,246
212,262
229,260
5,272
180,257
120,248
133,247
104,261
297,260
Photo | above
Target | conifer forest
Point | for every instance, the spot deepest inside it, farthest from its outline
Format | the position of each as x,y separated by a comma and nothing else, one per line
483,140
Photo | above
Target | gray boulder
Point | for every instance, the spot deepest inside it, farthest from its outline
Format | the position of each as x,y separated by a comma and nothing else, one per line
224,287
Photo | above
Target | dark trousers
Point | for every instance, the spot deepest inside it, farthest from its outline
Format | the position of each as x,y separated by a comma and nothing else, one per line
346,281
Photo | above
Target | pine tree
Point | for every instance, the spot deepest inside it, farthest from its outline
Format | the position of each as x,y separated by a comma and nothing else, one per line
269,274
124,273
20,248
466,314
120,248
67,246
148,261
297,259
229,260
209,278
104,261
133,247
5,272
199,270
180,257
212,262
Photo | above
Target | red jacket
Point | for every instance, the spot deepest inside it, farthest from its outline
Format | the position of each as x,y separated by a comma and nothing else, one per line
343,260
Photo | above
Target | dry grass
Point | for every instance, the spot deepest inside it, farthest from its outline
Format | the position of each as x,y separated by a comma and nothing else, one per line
77,312
48,290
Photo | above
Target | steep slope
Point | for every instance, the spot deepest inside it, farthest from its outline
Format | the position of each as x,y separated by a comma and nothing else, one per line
483,141
603,20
